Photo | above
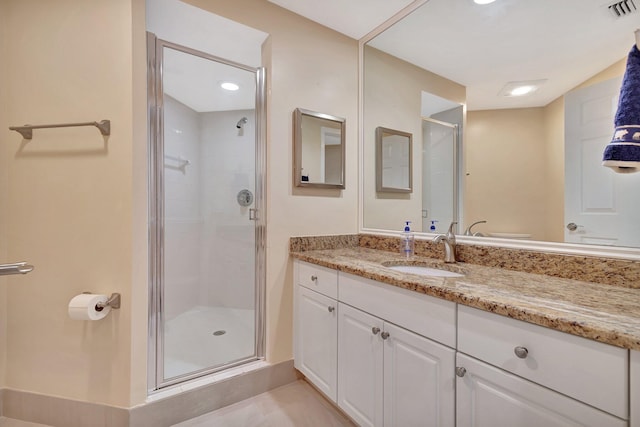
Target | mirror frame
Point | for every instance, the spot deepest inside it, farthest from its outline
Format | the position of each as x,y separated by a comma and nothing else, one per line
297,148
626,253
380,133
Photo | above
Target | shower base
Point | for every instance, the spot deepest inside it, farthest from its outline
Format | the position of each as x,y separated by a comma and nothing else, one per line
206,337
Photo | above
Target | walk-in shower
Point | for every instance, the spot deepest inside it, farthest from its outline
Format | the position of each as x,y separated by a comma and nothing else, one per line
206,242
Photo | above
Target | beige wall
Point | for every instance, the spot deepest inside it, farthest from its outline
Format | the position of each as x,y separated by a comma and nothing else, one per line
76,206
506,171
392,99
69,201
3,196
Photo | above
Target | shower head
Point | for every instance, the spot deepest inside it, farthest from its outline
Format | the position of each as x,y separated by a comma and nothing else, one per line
241,122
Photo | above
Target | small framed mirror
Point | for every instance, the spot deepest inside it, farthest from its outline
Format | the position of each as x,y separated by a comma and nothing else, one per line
318,149
393,161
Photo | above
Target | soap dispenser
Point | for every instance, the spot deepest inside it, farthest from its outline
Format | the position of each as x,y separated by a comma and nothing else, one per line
408,242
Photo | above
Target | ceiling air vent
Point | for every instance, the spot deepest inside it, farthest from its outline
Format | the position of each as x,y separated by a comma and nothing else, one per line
622,8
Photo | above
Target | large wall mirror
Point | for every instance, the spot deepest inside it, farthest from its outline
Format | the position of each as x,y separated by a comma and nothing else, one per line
319,149
530,166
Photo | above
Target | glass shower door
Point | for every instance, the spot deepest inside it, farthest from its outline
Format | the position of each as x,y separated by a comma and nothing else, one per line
205,285
440,174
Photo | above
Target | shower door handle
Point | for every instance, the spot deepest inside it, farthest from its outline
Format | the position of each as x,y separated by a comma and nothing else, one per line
253,214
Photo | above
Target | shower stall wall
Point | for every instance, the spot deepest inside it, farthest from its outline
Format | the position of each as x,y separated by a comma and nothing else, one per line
207,159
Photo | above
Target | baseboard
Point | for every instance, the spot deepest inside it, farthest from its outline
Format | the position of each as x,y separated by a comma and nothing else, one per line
56,411
193,403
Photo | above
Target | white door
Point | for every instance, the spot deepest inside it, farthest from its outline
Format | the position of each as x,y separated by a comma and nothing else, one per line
600,202
360,355
316,339
489,397
419,380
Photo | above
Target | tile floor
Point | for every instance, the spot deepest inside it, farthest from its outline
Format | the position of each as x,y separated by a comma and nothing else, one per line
293,405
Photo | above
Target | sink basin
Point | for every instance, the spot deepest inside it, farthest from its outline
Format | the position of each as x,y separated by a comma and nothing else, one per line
424,271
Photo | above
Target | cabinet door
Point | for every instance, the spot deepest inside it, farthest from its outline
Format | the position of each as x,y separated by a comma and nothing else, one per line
488,396
360,367
419,380
316,339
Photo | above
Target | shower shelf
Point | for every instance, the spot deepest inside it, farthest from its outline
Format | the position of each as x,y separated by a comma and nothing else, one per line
182,162
104,126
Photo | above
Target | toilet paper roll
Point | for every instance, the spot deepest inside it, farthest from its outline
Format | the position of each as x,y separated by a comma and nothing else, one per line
83,307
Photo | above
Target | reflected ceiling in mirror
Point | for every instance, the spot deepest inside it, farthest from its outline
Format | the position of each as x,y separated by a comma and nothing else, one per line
513,169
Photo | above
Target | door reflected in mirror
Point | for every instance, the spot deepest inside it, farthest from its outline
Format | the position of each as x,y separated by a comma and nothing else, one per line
319,149
393,161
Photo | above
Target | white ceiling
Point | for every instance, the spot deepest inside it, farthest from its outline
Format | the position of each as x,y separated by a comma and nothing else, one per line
355,18
485,47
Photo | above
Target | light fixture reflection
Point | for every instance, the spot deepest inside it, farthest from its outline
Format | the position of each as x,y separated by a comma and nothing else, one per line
229,86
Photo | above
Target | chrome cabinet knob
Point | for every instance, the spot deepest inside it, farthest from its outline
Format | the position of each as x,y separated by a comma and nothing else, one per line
384,335
521,352
375,330
330,308
572,226
314,278
460,371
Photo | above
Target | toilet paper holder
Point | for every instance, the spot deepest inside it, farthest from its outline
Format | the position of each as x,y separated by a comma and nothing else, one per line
113,302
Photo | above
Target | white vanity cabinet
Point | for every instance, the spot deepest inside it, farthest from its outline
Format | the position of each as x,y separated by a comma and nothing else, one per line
315,344
538,376
389,375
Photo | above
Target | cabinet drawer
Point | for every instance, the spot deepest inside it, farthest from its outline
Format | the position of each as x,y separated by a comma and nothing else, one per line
589,371
318,278
430,317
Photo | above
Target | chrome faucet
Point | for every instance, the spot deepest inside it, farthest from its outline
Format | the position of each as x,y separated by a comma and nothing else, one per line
468,232
449,240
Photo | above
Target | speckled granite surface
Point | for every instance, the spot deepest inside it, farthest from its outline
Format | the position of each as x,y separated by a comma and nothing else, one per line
609,314
589,269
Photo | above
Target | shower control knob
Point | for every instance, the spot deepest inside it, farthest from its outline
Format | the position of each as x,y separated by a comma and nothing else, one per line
330,308
244,197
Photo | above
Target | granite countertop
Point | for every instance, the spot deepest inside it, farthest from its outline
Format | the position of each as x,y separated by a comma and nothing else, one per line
605,313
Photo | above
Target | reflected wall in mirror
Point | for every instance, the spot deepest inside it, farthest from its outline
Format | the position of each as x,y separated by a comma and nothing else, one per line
318,149
393,160
530,166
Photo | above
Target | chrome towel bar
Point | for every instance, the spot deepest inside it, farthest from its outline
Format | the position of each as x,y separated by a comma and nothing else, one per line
15,268
104,126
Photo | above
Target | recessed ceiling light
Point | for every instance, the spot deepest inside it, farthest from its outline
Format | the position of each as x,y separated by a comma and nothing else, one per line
229,86
521,88
483,1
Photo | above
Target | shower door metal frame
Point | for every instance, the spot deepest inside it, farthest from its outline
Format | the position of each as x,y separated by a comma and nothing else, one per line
155,117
